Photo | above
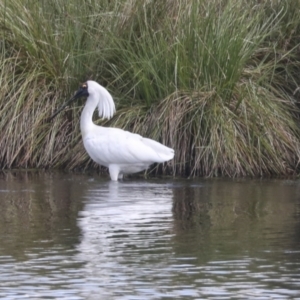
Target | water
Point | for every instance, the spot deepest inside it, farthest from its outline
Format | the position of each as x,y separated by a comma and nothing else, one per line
68,236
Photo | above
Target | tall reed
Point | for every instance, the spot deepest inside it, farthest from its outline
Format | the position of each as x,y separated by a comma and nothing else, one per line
215,80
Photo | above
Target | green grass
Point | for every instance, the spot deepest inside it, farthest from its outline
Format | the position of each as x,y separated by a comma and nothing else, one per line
215,80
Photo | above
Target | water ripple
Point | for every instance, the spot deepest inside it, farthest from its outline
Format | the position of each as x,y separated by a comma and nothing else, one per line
148,240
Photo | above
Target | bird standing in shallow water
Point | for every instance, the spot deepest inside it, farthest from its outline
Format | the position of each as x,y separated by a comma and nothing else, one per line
122,152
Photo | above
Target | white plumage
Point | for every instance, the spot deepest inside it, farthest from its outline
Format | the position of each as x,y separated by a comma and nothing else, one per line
122,152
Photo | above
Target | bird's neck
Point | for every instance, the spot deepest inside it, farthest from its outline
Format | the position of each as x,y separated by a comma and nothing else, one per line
86,119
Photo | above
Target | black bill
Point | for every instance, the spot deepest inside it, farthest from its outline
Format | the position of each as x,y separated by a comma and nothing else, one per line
82,92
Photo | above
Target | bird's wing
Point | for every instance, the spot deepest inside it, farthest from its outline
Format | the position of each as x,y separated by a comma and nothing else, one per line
165,152
117,146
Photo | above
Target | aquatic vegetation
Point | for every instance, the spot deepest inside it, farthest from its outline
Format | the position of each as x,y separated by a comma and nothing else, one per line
215,80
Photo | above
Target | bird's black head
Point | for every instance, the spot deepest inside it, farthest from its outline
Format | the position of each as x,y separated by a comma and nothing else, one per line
82,92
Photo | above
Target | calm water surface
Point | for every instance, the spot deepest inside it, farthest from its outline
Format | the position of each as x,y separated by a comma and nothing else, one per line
67,236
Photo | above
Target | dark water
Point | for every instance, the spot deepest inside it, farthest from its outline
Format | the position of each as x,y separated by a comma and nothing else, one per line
66,236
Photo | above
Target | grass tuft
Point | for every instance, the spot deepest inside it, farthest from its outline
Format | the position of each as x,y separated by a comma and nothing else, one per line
215,80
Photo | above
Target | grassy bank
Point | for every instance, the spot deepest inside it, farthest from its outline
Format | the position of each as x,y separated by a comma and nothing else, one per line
215,80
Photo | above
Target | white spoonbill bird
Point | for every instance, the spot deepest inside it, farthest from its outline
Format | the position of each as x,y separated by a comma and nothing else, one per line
122,152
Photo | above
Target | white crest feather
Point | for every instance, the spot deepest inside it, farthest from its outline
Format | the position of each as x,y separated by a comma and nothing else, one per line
106,105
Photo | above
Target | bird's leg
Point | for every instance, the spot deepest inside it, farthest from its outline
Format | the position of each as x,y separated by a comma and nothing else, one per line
120,176
114,172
